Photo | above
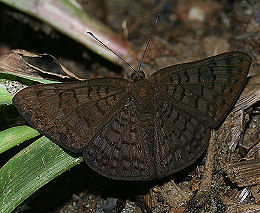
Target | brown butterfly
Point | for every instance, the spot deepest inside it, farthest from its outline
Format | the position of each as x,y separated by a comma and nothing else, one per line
141,128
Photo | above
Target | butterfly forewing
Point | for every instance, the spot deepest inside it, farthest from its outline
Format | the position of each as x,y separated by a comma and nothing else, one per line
70,113
206,89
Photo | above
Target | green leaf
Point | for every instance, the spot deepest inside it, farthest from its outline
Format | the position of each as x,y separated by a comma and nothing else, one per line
16,135
30,169
5,96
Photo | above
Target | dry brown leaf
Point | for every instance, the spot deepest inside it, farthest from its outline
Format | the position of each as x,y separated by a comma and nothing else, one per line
22,63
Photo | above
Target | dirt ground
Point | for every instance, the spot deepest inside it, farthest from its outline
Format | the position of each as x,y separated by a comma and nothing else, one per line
187,30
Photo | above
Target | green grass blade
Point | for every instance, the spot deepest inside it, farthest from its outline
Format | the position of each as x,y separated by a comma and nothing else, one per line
16,135
30,169
5,96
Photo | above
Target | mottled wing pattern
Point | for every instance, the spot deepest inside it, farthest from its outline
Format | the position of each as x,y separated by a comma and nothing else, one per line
70,114
206,89
179,137
190,99
139,131
121,150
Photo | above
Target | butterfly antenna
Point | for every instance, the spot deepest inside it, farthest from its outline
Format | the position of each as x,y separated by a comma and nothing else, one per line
92,35
155,24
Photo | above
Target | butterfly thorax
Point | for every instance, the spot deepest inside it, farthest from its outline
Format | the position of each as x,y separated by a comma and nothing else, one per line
141,93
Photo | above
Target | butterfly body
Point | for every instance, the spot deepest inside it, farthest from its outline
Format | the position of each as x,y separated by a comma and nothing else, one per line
142,128
141,92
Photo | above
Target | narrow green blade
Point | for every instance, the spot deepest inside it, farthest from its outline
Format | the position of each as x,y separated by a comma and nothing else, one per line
16,135
30,169
5,96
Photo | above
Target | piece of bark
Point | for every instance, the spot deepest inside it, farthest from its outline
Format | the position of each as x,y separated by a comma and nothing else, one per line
245,173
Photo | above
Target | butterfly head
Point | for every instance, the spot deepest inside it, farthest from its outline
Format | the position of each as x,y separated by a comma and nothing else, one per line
137,76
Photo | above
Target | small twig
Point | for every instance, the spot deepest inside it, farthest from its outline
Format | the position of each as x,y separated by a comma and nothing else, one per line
209,165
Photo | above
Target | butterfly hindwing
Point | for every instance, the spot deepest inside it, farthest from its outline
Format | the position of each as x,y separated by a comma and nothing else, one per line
180,138
121,150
